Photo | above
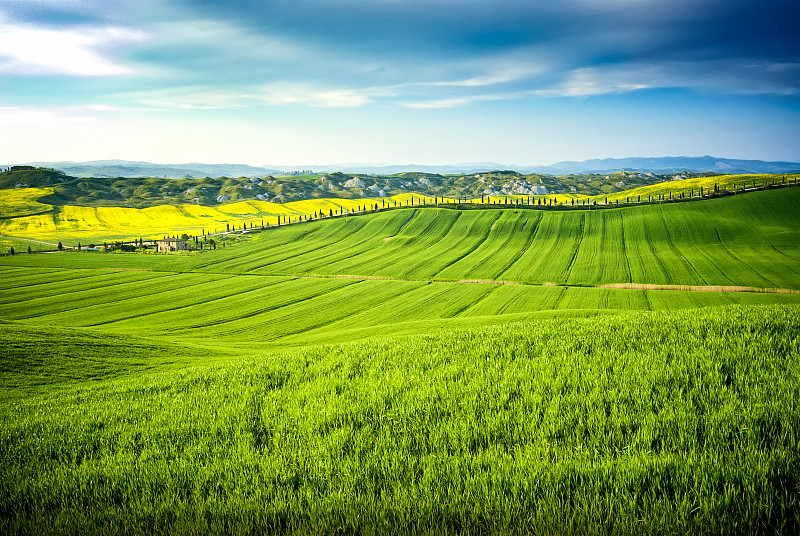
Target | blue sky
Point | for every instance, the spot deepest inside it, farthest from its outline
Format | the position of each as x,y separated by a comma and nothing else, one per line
398,81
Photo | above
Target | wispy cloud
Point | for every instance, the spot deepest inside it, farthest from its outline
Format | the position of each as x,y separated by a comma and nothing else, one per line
30,49
48,116
273,94
453,102
720,77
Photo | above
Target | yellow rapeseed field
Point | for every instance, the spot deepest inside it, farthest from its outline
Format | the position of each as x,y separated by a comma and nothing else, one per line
21,216
16,202
688,187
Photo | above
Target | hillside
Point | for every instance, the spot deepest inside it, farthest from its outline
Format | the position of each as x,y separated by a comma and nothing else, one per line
146,192
417,370
103,211
412,269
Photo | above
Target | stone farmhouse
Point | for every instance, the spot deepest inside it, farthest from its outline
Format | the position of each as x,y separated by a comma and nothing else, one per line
171,244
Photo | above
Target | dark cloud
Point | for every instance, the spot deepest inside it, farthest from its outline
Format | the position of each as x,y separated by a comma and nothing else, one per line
738,26
411,38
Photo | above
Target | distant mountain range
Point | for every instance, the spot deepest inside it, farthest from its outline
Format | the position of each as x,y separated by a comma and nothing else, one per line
124,168
670,164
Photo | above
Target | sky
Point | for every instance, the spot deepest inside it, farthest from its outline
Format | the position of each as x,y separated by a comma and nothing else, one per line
313,82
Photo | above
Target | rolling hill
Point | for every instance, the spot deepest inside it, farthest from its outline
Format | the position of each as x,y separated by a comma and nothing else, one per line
418,370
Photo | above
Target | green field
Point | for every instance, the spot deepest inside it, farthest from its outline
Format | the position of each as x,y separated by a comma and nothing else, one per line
419,370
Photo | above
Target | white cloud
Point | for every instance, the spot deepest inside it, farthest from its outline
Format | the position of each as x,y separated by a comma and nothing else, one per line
516,69
273,94
30,49
593,81
728,76
48,116
466,100
291,93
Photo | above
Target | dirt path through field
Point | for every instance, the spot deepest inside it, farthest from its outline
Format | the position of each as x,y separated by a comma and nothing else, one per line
699,288
613,286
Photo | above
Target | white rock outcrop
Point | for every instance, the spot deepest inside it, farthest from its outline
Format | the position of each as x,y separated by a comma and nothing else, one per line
355,182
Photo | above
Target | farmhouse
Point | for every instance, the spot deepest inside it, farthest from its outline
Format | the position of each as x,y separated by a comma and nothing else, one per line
171,244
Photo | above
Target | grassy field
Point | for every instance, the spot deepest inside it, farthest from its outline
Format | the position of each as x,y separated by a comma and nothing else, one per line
669,423
417,371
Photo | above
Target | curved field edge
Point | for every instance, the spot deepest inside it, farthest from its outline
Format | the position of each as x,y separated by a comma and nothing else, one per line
671,422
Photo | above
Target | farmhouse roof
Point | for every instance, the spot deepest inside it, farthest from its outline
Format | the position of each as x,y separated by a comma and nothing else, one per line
171,240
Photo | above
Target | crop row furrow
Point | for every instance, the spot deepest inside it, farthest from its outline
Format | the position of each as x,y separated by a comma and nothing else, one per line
355,236
338,259
32,277
106,282
183,307
452,270
518,252
565,275
96,308
237,313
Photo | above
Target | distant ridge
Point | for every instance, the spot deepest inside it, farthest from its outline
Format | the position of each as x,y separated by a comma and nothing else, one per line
669,164
128,169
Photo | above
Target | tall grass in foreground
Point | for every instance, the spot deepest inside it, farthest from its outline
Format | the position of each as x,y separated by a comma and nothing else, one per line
681,422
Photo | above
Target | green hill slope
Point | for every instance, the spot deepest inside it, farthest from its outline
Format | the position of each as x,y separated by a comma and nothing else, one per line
669,423
749,240
412,270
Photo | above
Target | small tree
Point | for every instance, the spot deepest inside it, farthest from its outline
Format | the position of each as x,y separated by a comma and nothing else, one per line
29,249
11,251
60,247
